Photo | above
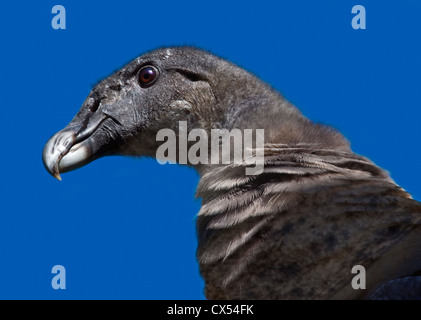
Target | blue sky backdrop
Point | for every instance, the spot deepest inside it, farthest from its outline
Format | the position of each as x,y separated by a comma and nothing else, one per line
125,228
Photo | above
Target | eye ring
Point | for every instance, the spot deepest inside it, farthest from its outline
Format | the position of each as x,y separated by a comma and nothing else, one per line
147,76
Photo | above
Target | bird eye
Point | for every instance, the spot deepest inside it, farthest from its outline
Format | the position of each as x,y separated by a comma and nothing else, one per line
147,76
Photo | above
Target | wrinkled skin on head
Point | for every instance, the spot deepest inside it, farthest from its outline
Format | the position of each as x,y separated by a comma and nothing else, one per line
120,116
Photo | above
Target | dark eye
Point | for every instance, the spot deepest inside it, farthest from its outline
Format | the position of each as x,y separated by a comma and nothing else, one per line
147,76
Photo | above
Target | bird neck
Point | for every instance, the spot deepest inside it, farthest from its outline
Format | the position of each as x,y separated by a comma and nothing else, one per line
261,107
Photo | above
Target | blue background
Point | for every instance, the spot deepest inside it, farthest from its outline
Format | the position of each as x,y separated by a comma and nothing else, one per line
124,228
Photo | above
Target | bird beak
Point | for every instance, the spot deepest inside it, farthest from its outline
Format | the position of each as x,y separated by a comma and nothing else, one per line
74,146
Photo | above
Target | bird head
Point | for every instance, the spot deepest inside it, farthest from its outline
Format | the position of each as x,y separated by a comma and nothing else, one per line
124,112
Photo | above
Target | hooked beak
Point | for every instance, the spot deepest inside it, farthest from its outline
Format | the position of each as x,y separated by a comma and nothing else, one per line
74,146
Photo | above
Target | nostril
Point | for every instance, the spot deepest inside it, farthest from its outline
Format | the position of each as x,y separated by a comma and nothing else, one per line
95,105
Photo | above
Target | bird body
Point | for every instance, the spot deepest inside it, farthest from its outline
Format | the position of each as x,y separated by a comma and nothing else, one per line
304,223
294,231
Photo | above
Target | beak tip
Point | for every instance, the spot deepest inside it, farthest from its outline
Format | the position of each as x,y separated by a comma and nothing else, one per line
53,171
